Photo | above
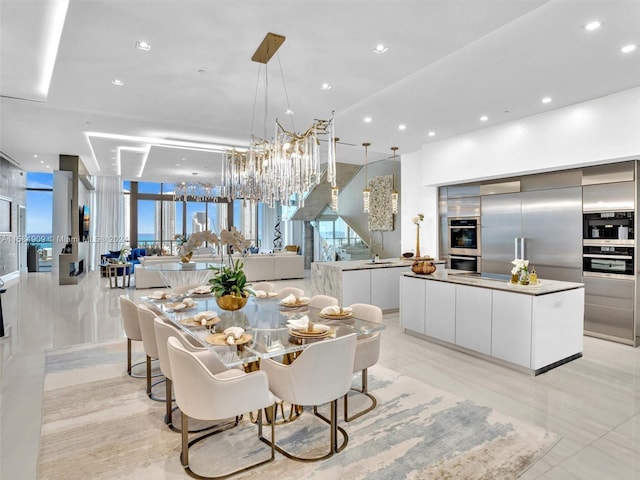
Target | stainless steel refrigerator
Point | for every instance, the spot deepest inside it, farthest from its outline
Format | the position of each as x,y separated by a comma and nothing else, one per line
550,221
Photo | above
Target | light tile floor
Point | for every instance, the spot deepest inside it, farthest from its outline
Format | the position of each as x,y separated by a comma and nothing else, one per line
593,402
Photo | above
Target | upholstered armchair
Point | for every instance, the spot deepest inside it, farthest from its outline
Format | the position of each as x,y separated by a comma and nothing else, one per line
129,312
367,354
320,374
204,395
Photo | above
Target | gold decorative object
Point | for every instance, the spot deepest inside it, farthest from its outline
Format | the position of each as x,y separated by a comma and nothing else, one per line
186,258
417,220
231,302
423,268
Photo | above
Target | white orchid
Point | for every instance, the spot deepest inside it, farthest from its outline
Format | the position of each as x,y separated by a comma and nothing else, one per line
520,265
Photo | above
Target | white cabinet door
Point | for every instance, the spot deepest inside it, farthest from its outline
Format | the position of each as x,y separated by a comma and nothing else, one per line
412,303
356,287
385,285
440,310
511,330
473,318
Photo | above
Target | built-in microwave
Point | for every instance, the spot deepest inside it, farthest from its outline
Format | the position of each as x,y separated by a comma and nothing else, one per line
615,228
465,262
614,261
464,236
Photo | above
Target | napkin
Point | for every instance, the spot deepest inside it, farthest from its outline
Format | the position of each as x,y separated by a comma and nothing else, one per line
334,310
159,295
206,315
260,293
272,294
289,299
201,290
234,332
299,323
188,302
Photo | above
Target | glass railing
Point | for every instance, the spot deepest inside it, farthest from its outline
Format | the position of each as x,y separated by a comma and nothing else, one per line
339,241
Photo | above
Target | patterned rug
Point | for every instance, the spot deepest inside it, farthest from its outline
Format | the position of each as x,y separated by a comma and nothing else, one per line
98,423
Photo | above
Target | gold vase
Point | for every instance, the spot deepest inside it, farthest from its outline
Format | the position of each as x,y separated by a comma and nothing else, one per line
231,302
418,241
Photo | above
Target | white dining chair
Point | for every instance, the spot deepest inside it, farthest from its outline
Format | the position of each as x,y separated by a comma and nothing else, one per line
367,355
204,395
146,319
129,312
286,291
321,374
163,331
321,301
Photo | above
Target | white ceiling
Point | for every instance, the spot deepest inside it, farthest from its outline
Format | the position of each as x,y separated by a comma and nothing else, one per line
448,63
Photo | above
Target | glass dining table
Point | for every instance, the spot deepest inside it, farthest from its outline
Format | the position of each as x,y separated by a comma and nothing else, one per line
265,320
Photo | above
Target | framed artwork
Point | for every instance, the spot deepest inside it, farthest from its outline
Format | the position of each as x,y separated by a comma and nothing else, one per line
5,215
380,216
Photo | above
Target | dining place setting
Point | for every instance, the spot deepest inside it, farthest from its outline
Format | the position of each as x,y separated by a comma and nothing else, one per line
205,319
293,301
184,304
200,291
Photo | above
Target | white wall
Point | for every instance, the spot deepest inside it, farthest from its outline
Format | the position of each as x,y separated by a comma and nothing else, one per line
598,131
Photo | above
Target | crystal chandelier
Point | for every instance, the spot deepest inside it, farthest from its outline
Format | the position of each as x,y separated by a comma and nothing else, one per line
198,191
366,193
394,192
286,168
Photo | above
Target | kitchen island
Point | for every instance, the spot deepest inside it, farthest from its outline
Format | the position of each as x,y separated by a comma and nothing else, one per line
532,328
360,281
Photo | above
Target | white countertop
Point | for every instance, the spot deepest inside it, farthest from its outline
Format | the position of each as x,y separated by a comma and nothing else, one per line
543,287
346,265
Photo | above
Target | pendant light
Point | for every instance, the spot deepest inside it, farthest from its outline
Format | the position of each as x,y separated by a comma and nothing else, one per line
334,189
366,193
394,192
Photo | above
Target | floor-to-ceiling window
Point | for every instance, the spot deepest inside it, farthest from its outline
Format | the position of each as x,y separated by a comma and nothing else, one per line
39,214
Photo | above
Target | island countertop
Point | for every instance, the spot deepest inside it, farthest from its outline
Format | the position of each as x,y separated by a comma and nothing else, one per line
543,287
347,265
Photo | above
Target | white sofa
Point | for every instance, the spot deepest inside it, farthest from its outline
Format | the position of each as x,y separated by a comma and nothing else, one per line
257,267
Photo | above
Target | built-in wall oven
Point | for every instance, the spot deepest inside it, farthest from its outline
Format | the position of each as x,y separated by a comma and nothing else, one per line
464,236
465,262
612,261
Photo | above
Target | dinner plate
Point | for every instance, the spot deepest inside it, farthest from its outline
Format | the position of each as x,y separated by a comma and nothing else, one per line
192,322
336,316
154,299
221,339
302,333
295,305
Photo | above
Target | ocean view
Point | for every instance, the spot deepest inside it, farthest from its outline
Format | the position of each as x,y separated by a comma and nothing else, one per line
46,240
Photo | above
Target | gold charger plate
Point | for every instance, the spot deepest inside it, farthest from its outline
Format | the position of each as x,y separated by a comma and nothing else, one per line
191,322
336,316
221,339
303,333
294,305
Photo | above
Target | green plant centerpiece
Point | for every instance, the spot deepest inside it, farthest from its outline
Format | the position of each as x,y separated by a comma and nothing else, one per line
229,283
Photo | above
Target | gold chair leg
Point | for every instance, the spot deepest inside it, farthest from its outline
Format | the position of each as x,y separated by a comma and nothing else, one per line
334,428
364,391
186,444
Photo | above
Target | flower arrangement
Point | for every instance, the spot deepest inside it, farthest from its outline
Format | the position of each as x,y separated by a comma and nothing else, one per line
417,220
231,280
186,244
520,271
124,253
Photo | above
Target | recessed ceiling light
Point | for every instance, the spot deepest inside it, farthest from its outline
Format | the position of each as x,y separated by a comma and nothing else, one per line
546,100
593,25
35,156
325,86
484,118
431,134
402,126
48,166
41,161
367,119
628,48
178,164
380,49
288,111
117,82
144,46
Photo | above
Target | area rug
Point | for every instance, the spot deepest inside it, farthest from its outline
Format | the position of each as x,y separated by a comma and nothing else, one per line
98,423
